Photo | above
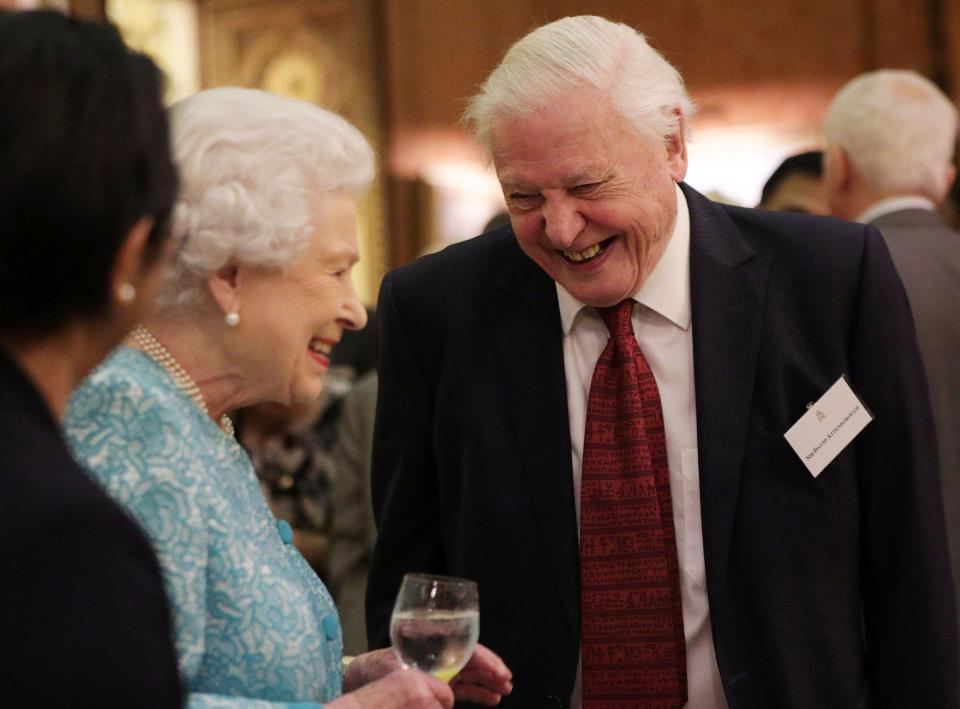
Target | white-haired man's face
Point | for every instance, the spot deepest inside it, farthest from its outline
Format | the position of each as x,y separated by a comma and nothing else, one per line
590,201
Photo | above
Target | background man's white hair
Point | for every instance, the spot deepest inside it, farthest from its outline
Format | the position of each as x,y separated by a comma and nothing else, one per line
578,51
898,129
253,167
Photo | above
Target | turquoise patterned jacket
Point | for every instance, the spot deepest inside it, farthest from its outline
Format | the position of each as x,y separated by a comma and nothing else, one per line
254,625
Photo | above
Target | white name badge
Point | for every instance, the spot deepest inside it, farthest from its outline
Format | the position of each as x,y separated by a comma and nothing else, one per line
835,419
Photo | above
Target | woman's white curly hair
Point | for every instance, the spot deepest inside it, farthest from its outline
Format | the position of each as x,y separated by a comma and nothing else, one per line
253,167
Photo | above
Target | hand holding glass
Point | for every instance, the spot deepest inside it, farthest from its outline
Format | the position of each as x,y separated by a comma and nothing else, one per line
435,624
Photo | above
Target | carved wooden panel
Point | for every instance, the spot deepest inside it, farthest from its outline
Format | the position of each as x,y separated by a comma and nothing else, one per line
950,26
771,66
87,9
438,53
322,51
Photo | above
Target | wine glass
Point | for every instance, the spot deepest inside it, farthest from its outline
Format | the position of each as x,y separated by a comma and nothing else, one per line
435,624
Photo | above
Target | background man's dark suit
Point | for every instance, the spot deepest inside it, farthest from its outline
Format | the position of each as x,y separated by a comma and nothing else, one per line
926,253
83,613
817,587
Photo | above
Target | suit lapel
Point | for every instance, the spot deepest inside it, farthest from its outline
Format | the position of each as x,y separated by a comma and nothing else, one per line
728,282
528,344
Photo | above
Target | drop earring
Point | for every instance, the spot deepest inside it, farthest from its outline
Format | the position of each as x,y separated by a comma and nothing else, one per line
232,318
126,293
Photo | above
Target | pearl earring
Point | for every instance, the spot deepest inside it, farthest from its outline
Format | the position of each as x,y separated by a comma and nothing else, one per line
232,318
126,293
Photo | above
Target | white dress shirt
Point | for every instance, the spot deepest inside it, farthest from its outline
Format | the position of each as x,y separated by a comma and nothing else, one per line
661,323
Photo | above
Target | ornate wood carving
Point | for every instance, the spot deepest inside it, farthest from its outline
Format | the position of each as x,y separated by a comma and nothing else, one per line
87,9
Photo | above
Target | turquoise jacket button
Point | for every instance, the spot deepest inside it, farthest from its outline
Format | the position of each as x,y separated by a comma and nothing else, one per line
331,626
286,531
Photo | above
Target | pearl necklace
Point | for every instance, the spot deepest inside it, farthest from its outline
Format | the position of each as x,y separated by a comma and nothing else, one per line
151,347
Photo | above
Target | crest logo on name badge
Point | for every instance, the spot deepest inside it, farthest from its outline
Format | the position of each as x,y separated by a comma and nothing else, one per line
828,426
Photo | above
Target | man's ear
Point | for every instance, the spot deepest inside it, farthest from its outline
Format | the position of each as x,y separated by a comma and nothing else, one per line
676,146
130,267
948,181
224,285
841,171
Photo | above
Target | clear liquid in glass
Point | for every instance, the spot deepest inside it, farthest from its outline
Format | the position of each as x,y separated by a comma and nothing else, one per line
436,641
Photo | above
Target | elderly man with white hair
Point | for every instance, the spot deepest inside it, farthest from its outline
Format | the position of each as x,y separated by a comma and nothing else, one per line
586,412
890,140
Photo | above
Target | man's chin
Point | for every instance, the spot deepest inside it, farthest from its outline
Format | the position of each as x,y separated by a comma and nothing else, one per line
597,297
606,302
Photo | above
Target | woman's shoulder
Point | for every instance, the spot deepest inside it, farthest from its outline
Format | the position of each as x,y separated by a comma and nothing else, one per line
129,425
128,383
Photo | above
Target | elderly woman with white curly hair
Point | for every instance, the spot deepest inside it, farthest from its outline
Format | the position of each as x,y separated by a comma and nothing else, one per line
258,295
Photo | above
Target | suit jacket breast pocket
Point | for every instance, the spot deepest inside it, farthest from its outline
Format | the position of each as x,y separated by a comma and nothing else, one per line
779,495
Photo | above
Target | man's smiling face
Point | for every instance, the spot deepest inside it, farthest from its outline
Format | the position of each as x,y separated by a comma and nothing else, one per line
590,200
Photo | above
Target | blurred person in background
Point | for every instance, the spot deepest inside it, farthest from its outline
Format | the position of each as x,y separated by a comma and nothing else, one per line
796,185
292,450
86,188
950,209
258,295
356,353
890,138
289,447
498,220
352,529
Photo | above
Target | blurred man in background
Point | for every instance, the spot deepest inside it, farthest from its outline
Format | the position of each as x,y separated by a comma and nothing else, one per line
796,185
889,162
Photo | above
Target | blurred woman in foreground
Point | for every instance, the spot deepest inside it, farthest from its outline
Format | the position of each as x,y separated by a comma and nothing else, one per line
255,301
86,187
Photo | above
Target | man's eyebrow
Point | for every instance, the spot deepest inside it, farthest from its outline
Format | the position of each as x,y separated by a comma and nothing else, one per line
508,184
585,176
582,176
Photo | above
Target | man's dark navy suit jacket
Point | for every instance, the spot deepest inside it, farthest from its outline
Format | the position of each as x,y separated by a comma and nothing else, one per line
824,592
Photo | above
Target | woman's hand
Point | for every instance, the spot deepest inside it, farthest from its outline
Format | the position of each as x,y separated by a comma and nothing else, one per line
483,680
402,689
369,667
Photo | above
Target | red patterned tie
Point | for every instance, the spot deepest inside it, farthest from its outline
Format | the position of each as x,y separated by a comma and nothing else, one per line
632,641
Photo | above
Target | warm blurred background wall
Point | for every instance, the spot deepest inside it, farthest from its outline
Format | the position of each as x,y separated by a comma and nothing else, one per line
761,73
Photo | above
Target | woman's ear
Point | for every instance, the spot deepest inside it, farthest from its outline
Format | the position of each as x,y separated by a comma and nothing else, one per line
224,285
130,267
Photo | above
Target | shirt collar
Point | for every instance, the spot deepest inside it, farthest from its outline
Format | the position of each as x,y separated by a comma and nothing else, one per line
666,290
894,204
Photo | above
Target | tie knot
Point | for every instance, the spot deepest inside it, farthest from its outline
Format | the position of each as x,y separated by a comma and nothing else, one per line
617,318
